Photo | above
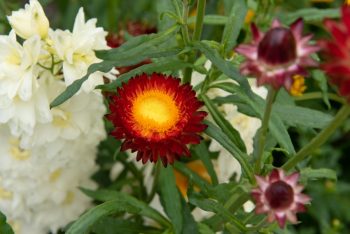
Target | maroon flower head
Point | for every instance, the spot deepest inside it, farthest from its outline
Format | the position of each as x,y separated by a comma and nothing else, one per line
337,52
276,56
280,197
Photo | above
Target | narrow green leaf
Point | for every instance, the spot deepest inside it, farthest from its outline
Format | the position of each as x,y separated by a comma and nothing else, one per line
223,65
204,229
220,137
302,117
142,207
211,20
202,152
146,46
225,126
213,206
5,228
170,198
189,224
234,24
276,125
321,173
322,82
310,14
109,225
84,223
160,66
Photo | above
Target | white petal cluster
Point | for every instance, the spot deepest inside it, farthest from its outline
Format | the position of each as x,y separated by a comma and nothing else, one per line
47,154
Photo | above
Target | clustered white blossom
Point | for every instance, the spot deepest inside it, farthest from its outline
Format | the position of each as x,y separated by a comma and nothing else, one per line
47,154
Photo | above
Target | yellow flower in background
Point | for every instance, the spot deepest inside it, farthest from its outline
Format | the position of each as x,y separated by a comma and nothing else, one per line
30,21
298,86
249,16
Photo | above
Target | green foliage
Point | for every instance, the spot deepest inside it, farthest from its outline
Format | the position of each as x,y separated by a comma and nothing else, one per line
5,228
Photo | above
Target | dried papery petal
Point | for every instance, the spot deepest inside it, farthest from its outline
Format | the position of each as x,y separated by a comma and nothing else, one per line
157,117
280,197
279,54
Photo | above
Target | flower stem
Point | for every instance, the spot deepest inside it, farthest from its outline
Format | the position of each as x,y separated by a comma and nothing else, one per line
317,95
320,139
199,20
196,35
264,126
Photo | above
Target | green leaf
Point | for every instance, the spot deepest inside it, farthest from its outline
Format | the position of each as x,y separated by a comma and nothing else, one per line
142,207
109,225
310,14
211,20
189,224
276,126
322,173
302,117
170,198
132,52
234,25
223,65
201,151
84,223
160,66
225,126
215,133
5,228
204,229
322,82
213,206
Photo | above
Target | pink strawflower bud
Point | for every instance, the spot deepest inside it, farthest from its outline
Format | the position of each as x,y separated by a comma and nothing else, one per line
280,197
276,56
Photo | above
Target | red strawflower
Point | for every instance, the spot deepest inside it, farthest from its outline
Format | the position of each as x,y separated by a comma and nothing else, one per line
280,197
337,52
276,56
157,117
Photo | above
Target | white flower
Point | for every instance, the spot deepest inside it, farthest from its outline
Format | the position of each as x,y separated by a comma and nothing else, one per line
17,66
22,116
39,185
77,50
30,21
72,119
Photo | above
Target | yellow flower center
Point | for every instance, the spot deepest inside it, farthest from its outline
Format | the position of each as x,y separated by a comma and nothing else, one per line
347,2
154,111
298,86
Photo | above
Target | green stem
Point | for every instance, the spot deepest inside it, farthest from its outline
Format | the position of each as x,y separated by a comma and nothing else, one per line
184,28
320,139
264,126
186,39
199,20
317,95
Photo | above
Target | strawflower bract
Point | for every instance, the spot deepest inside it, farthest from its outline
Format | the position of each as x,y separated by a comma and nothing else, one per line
157,117
280,197
276,56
